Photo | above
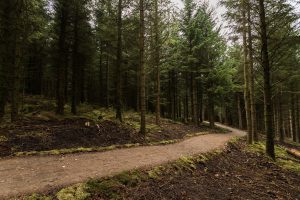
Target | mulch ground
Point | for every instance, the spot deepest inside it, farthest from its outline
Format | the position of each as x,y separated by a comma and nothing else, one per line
41,135
234,174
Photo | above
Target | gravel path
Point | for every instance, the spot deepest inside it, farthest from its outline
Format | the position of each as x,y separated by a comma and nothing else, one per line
19,176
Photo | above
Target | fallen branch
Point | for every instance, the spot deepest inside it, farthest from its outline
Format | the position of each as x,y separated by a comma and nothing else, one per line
294,153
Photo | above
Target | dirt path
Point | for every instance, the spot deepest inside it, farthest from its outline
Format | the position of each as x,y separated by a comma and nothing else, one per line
27,175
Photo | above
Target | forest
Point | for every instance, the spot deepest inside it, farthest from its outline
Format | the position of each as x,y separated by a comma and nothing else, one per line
104,80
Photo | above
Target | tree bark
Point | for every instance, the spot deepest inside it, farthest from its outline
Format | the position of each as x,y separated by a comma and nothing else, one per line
293,118
267,82
211,111
142,70
62,59
75,62
280,119
246,76
186,99
118,99
298,118
251,76
157,61
107,94
239,112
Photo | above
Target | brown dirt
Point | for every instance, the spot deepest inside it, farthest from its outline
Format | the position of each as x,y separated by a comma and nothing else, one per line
27,175
235,174
35,134
42,135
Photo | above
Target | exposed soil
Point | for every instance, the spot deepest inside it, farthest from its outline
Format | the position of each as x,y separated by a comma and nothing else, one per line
28,175
40,135
234,174
36,134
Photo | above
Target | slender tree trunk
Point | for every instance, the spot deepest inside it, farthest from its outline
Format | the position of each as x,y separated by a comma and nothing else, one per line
15,84
280,119
119,66
251,76
142,70
246,76
13,48
75,63
5,55
293,118
107,94
62,60
186,99
240,112
298,118
211,111
194,97
157,61
267,82
2,102
101,99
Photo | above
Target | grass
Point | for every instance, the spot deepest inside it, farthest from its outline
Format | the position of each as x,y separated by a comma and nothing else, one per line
283,159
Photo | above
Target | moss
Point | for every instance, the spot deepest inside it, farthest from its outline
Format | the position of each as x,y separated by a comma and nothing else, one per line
156,172
130,179
132,145
105,188
186,164
283,159
77,192
37,197
196,134
3,138
73,150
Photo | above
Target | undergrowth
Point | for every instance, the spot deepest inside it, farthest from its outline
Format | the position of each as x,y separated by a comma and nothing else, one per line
283,159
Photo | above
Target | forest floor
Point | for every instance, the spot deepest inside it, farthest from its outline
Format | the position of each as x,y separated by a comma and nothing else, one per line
41,132
46,173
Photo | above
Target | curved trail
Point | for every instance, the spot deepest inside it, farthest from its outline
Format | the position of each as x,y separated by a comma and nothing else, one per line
27,175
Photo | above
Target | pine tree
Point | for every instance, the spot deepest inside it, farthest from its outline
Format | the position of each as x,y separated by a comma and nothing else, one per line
267,82
142,69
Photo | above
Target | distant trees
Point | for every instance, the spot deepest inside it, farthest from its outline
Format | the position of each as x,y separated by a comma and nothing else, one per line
267,29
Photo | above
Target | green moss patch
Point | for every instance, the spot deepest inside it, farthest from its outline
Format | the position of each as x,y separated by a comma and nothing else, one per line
283,159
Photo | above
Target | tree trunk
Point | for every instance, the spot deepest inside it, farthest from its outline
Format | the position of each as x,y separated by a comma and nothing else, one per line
186,99
107,94
239,112
118,100
194,97
75,56
251,77
62,60
298,118
142,70
293,118
157,61
101,87
267,82
280,119
246,77
211,111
